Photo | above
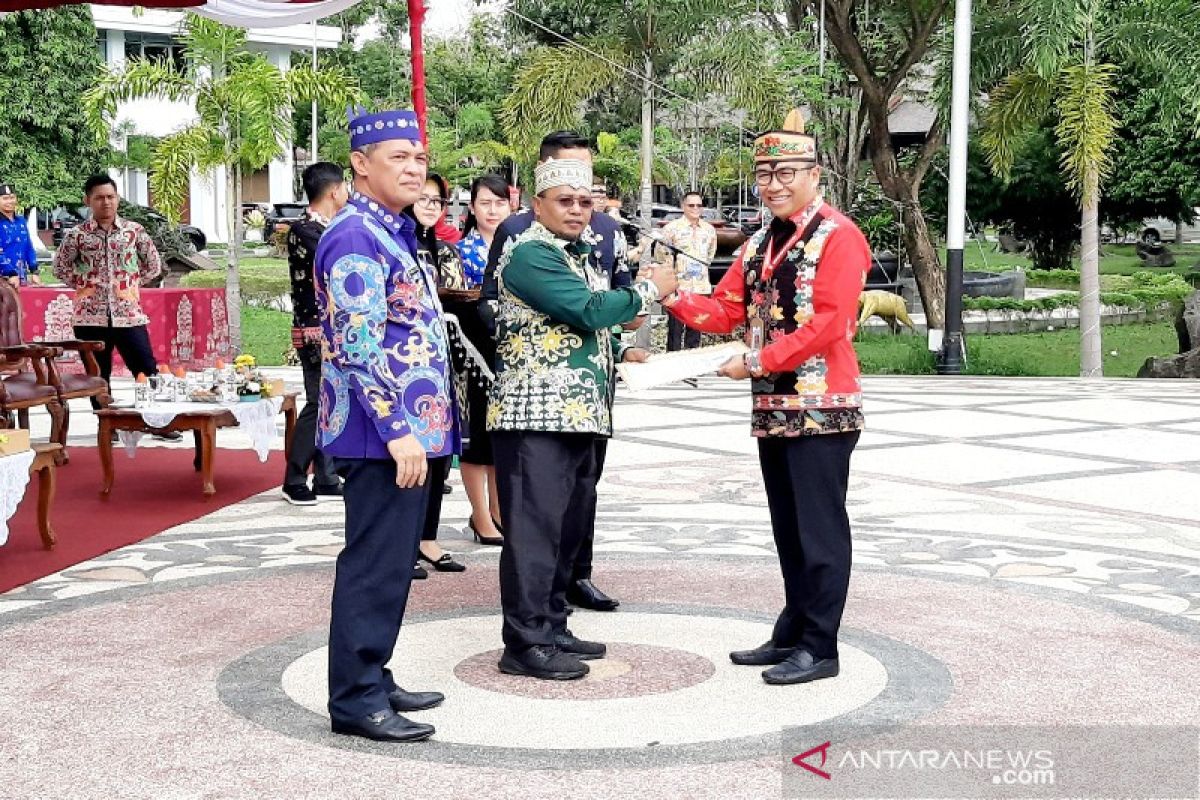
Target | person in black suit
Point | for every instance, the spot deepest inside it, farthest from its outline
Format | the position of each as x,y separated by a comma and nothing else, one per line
609,251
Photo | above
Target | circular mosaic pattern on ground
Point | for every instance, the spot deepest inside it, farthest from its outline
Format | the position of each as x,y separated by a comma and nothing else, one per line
733,701
627,670
721,713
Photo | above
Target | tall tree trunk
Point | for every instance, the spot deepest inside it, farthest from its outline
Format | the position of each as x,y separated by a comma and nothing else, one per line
926,266
878,85
1091,362
903,187
233,223
647,141
842,148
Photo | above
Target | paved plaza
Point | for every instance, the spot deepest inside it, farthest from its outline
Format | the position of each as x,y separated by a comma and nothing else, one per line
1026,551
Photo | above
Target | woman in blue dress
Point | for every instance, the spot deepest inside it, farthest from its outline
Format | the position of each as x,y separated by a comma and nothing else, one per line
489,207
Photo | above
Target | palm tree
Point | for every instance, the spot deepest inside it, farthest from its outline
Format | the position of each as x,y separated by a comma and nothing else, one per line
1066,73
461,162
730,168
243,120
618,163
717,44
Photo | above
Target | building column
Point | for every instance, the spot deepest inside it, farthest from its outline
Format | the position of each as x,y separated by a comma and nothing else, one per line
116,48
282,171
207,202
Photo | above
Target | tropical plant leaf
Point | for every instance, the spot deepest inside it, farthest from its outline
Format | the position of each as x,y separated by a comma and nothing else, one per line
1086,126
550,89
1021,101
172,163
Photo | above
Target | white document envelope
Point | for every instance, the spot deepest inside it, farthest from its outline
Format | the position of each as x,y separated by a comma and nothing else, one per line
665,368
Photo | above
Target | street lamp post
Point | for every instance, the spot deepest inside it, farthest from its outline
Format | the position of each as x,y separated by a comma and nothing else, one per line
952,358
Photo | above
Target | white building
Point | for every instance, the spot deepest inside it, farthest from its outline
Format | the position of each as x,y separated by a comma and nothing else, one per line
125,34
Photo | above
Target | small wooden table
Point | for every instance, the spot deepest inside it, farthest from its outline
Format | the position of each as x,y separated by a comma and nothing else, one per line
203,423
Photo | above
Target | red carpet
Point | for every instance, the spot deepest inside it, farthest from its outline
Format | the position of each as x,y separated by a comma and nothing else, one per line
153,492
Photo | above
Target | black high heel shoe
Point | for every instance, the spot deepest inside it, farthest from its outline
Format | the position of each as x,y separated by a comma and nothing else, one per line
498,526
481,539
443,564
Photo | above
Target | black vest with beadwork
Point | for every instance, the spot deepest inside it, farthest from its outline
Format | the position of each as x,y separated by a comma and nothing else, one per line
794,402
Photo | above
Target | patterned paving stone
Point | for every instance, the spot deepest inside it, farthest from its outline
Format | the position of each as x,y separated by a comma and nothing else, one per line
1027,551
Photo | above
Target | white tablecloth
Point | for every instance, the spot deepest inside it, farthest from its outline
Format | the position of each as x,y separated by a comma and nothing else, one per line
256,419
14,477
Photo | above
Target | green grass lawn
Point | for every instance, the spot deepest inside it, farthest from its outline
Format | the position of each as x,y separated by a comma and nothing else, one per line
262,280
1049,354
266,334
1115,259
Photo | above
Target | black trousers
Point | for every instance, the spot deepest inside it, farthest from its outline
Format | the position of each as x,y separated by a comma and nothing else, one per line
132,343
680,336
370,588
304,439
806,479
547,488
582,568
435,478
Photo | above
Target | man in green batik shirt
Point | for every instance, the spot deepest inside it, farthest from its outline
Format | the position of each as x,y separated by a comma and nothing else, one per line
550,406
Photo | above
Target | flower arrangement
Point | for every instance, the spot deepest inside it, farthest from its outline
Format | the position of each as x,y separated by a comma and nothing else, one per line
251,384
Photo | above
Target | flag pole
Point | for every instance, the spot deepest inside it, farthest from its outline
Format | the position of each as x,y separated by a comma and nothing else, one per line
952,359
416,22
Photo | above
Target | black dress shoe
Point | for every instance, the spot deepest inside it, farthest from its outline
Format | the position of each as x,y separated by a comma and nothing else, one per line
801,667
580,648
419,573
402,701
384,726
763,655
332,490
543,661
583,593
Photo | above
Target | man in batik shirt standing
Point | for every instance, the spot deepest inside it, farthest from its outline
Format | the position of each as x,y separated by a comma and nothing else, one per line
695,243
386,418
796,288
550,414
106,260
325,187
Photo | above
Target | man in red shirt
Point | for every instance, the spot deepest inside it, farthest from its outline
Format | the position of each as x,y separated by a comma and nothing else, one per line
796,288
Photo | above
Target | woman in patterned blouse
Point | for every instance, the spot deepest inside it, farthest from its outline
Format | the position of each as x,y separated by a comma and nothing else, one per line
489,207
442,260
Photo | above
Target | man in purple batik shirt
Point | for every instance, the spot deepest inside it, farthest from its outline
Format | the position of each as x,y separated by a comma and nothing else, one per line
387,417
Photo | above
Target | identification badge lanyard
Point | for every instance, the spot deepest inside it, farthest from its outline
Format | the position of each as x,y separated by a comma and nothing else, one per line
771,262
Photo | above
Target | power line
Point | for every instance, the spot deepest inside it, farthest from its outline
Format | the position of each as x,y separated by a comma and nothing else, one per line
641,78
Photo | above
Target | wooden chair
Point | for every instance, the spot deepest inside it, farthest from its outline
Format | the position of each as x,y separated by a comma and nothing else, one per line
25,384
74,386
41,357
